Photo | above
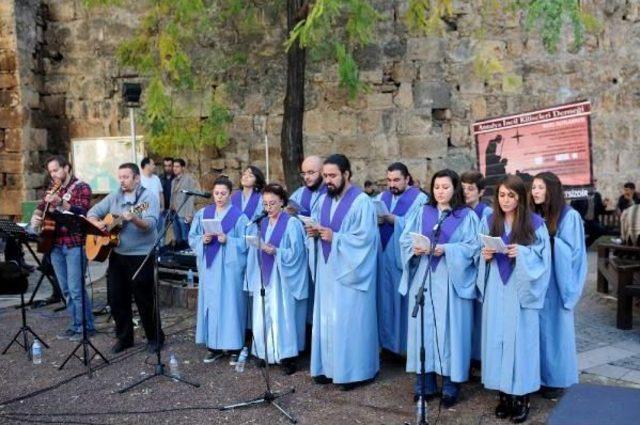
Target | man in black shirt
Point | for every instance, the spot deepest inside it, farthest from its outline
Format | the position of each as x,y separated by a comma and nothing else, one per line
629,197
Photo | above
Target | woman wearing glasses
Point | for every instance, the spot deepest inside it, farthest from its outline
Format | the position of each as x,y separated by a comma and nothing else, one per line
221,257
281,266
248,199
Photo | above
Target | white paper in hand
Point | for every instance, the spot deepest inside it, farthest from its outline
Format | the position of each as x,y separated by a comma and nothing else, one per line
420,241
253,241
381,208
212,225
494,242
308,221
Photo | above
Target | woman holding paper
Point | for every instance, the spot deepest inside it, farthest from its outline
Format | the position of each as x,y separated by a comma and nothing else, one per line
512,287
282,268
249,198
447,229
222,258
558,358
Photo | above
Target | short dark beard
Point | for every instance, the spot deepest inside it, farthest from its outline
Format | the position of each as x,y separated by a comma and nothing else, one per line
315,184
337,191
396,191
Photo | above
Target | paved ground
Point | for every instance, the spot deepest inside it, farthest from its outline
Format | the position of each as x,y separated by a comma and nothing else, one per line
607,356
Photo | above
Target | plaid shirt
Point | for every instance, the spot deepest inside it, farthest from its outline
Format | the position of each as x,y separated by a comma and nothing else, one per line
80,202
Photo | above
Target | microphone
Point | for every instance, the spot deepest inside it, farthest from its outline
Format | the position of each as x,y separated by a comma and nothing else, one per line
262,215
196,193
443,217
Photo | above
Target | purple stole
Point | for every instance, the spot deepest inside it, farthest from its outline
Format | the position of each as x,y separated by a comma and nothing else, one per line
430,216
341,211
505,264
275,239
228,222
479,209
252,204
402,206
305,199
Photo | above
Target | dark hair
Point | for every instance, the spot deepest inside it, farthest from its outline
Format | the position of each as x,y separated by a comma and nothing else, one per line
368,183
457,200
473,177
167,158
61,160
224,181
553,203
278,190
630,185
180,161
399,166
260,180
522,231
146,160
131,166
341,161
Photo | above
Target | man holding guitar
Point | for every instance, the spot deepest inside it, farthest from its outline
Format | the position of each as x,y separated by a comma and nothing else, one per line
65,193
136,238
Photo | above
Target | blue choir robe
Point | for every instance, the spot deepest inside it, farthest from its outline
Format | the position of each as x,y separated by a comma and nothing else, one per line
453,292
482,210
345,328
286,295
392,306
510,316
558,358
222,302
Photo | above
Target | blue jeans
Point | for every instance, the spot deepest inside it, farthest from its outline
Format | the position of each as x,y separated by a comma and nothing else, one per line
449,388
181,232
67,263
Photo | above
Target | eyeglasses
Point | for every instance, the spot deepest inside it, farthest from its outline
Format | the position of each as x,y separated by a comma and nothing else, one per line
271,204
308,173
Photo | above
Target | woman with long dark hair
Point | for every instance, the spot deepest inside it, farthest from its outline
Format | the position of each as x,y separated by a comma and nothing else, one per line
558,358
283,263
450,287
249,198
512,291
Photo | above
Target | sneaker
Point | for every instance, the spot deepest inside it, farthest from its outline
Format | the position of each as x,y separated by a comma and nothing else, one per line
67,334
211,357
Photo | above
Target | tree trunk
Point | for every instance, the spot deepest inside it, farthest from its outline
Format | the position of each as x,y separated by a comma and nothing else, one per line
291,148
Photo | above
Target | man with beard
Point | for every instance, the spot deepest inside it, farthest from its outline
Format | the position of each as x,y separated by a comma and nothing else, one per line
307,195
401,199
344,347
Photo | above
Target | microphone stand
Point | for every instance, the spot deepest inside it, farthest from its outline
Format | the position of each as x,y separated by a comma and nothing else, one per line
159,370
419,306
268,397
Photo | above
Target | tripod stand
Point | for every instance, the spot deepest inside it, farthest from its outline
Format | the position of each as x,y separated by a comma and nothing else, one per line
159,368
268,397
25,330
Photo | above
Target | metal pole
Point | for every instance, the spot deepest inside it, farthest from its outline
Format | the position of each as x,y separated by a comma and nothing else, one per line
132,119
266,147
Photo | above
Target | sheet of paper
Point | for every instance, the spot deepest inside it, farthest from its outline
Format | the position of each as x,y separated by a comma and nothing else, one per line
308,221
494,242
420,240
212,225
253,241
381,207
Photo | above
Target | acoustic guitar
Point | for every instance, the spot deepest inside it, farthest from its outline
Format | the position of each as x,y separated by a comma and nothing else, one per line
98,247
47,229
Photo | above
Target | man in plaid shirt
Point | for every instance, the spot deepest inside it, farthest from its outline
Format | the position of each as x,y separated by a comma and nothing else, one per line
67,255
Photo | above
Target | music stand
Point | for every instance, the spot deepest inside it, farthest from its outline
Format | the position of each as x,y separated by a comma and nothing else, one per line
81,224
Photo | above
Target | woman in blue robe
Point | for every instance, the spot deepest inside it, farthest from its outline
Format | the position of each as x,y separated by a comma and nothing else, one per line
221,259
249,199
449,283
558,357
512,286
284,266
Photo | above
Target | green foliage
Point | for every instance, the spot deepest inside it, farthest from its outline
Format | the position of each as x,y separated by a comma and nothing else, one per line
425,16
550,16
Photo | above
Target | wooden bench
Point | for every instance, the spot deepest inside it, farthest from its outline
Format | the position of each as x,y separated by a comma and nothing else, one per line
618,265
610,222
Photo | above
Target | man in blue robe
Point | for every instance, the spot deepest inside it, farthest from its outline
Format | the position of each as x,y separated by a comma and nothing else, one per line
344,347
401,199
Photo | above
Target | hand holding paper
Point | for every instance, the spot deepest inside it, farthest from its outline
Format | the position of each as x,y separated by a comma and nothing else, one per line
212,226
381,208
253,241
493,242
420,241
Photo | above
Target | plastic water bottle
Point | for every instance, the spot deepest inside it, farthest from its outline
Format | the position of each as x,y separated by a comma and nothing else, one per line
173,367
419,411
242,359
36,352
190,278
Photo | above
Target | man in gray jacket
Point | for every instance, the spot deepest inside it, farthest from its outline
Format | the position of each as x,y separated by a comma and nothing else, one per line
137,237
182,181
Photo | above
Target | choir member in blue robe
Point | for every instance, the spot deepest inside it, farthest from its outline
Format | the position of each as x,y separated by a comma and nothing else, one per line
449,283
473,185
512,286
221,259
344,348
248,199
401,200
307,198
558,358
284,266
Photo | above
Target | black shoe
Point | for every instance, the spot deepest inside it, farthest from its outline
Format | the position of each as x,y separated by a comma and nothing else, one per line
551,393
449,401
261,363
348,387
520,410
504,408
322,380
120,346
289,366
52,300
153,346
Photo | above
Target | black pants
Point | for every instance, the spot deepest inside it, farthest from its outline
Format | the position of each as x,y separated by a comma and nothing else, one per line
120,288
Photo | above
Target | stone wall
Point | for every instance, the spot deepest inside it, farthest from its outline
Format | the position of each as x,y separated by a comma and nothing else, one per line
424,91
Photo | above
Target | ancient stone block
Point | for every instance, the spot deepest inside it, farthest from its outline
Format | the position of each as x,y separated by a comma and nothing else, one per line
430,49
62,10
11,202
369,122
412,123
380,101
10,118
37,139
8,61
13,139
11,163
431,95
404,97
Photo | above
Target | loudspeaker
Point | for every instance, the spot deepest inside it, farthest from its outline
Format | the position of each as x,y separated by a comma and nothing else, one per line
13,280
